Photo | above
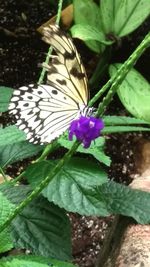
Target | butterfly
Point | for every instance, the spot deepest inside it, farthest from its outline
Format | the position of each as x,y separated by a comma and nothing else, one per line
45,111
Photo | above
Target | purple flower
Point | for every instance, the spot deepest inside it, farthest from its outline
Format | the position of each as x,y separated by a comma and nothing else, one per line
86,129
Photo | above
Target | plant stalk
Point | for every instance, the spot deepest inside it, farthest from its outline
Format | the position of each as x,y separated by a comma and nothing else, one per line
60,3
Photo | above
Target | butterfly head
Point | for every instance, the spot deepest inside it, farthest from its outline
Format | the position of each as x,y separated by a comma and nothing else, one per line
86,111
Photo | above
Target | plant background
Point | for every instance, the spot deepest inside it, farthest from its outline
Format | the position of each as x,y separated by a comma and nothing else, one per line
21,51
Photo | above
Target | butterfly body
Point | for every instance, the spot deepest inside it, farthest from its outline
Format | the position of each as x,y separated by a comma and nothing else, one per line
44,112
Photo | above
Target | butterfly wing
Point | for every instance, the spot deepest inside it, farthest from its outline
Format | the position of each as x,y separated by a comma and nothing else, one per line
71,76
44,112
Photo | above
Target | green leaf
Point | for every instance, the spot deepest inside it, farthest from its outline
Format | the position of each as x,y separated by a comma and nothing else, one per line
15,194
122,120
11,135
46,228
134,93
90,198
85,11
121,17
88,33
117,198
123,200
16,152
5,95
13,147
41,227
5,241
33,261
5,238
72,187
96,149
123,129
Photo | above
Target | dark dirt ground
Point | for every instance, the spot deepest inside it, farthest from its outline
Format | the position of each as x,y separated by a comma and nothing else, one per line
21,51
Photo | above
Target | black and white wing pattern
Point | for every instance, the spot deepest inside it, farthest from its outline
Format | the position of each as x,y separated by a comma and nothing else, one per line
44,112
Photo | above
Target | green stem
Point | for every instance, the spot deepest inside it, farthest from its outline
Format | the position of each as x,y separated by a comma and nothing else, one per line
50,48
46,62
60,3
120,75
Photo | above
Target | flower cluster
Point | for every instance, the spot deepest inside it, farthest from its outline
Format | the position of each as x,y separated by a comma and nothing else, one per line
86,129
